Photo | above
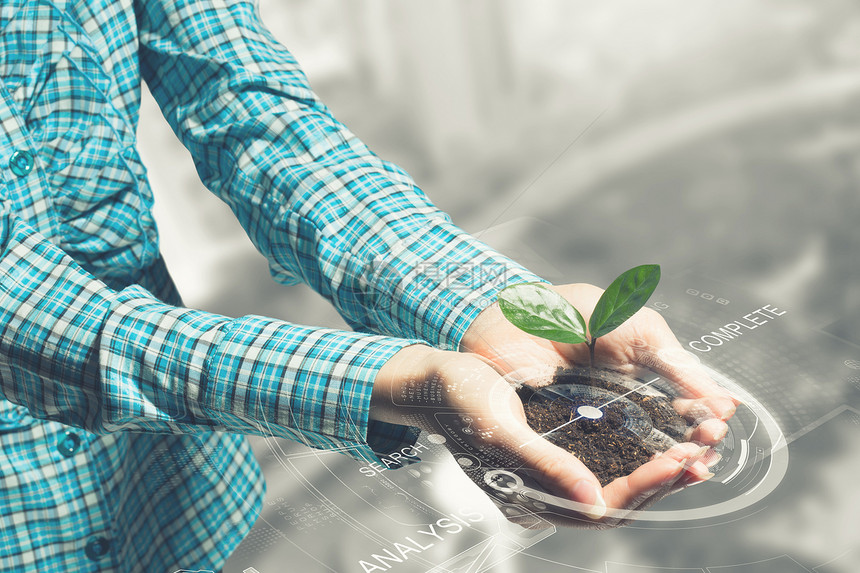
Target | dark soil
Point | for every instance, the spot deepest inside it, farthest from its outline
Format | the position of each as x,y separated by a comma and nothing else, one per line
607,446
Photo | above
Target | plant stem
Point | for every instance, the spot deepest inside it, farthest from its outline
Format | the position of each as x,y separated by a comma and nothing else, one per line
591,344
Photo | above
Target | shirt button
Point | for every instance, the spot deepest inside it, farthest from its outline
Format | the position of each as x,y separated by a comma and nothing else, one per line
97,547
21,163
69,443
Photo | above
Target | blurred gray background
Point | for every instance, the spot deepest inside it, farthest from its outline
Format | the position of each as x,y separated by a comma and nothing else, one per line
582,138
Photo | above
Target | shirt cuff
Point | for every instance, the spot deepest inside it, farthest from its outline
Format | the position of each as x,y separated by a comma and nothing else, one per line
176,369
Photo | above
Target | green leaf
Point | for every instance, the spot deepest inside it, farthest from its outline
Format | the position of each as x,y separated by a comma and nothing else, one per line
627,294
537,309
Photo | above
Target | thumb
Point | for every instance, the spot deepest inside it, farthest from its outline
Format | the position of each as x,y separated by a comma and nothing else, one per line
561,473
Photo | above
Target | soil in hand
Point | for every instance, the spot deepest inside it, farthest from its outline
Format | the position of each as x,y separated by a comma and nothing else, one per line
614,437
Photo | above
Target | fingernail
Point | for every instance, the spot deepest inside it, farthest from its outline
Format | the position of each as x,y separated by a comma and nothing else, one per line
699,479
712,459
698,452
721,433
729,410
584,491
599,508
699,469
682,465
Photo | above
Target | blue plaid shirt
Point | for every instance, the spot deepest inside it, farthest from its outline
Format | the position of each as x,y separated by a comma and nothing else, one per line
121,412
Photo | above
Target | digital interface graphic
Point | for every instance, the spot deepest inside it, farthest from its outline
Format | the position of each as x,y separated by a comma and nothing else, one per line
721,141
338,515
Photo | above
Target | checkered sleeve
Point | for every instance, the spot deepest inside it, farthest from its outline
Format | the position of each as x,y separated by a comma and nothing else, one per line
315,201
75,351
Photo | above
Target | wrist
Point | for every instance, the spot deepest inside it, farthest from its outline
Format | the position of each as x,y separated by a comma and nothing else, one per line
494,338
474,339
406,366
517,356
487,328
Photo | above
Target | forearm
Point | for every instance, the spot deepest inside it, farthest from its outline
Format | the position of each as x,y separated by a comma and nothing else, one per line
320,205
75,351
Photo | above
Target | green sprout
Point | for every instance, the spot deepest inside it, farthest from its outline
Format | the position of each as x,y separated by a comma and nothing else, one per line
537,309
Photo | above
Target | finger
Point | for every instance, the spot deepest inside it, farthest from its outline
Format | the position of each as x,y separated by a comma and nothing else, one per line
562,474
695,466
628,492
695,470
710,432
711,458
692,474
660,351
691,379
687,481
698,410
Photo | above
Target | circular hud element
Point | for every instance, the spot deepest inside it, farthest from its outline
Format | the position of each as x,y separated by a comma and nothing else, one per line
612,423
748,464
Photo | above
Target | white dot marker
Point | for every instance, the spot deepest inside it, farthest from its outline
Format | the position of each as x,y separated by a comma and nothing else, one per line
590,412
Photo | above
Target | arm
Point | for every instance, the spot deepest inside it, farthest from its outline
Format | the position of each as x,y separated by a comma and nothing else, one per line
315,201
80,353
323,209
76,351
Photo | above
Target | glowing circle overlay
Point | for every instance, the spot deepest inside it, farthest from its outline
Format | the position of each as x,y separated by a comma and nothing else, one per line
778,465
590,412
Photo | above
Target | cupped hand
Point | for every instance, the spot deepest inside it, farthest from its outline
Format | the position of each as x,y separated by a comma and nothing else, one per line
464,398
644,342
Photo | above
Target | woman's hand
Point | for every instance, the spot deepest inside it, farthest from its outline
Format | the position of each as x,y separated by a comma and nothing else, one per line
463,397
643,342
